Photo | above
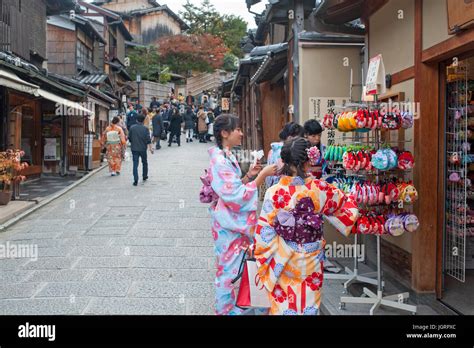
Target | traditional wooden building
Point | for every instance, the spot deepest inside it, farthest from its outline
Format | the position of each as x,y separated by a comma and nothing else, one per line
81,57
32,102
146,20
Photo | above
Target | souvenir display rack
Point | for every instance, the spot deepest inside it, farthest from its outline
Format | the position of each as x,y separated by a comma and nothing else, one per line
375,139
350,276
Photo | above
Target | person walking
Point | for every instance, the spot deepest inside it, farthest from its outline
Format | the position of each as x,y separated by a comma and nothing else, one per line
190,99
113,139
131,117
189,124
210,125
234,213
202,126
139,137
157,129
154,103
289,242
175,127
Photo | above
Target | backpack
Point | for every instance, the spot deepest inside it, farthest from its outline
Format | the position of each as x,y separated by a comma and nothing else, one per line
207,193
113,137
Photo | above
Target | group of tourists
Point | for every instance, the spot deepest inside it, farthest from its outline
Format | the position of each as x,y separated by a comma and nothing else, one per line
286,238
144,128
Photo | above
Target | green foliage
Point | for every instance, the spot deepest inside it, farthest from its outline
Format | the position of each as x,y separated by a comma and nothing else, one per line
181,63
233,29
146,62
165,78
205,19
231,62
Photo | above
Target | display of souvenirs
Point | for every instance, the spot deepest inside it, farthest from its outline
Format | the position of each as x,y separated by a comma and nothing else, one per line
365,119
388,223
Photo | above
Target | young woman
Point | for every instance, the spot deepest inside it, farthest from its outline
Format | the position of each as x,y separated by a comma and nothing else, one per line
274,154
189,124
175,127
312,132
202,126
113,139
289,243
233,214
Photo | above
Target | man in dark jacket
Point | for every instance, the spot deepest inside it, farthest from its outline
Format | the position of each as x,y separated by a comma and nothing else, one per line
131,117
157,124
175,127
166,117
190,99
154,103
139,137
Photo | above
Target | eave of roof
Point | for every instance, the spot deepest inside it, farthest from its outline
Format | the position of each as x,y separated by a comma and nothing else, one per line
164,8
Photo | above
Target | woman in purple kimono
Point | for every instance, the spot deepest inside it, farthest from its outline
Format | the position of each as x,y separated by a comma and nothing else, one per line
234,213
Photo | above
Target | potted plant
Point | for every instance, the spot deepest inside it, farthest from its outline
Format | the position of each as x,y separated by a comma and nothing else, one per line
10,173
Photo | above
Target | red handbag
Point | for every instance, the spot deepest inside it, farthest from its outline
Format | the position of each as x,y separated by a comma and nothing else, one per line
243,298
251,295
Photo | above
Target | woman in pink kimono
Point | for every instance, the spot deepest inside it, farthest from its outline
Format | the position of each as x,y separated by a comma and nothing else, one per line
289,243
233,214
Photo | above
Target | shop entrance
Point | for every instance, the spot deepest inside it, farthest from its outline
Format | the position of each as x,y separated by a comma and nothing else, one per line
24,131
458,236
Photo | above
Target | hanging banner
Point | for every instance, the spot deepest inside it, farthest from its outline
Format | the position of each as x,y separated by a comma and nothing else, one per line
51,149
225,104
375,83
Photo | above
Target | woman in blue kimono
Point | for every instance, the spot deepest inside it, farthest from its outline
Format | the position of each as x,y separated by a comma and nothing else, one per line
234,213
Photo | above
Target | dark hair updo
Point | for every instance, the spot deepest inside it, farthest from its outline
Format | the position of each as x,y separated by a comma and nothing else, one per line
284,132
224,122
115,120
295,130
312,127
294,154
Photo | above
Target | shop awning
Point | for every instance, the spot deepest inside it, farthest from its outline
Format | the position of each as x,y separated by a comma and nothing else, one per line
55,98
11,80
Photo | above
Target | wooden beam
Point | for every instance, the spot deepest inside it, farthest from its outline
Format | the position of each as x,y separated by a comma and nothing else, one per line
426,168
449,48
372,6
441,183
404,75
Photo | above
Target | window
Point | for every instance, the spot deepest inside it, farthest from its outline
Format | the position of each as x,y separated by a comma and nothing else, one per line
84,56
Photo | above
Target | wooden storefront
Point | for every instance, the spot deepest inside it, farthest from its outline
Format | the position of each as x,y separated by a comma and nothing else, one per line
24,130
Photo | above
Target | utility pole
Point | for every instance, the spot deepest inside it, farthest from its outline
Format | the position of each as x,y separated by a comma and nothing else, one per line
298,27
139,80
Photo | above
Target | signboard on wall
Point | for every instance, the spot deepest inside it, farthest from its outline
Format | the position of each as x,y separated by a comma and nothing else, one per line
320,106
375,83
51,149
460,15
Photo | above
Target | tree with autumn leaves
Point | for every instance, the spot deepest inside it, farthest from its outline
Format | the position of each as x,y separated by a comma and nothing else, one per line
182,53
212,42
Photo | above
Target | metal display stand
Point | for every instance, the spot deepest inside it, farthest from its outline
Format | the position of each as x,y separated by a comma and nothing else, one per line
352,276
397,301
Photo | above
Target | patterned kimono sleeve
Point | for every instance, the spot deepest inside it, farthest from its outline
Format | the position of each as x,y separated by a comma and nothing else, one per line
340,210
230,188
123,141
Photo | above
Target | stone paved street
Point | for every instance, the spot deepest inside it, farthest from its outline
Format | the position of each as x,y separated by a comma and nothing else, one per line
107,247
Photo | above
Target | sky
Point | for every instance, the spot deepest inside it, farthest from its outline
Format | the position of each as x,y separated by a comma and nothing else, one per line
235,7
